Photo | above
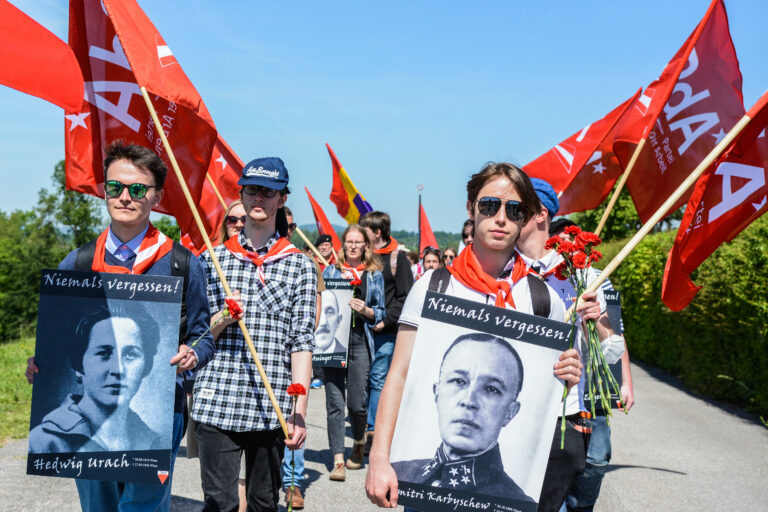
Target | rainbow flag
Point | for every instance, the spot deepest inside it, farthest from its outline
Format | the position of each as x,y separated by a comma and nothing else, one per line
349,202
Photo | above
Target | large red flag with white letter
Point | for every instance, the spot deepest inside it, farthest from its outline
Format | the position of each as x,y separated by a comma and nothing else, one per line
683,114
581,168
323,226
120,50
727,198
426,237
37,62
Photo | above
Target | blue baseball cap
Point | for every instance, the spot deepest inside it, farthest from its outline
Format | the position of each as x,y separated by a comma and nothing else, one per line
547,196
267,172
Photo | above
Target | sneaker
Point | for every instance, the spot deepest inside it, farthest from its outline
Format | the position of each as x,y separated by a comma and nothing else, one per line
338,474
368,443
316,383
295,499
355,460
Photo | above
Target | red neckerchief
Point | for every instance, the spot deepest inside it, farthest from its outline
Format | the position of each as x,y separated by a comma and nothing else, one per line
154,246
279,250
350,272
468,271
330,259
387,249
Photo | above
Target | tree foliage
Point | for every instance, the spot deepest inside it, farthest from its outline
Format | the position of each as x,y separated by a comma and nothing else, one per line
168,226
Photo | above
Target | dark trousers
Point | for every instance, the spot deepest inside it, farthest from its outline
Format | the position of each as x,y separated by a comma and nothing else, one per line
351,381
220,454
564,464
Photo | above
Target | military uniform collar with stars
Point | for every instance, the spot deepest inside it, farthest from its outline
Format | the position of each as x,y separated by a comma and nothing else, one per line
463,474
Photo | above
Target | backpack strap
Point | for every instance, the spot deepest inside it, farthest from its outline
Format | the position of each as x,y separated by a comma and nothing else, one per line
180,256
540,298
84,256
438,281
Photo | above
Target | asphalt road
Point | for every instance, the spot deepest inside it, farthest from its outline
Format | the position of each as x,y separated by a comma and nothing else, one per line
674,451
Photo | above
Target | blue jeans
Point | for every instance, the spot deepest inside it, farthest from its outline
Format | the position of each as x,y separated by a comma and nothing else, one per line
298,468
385,347
585,490
103,496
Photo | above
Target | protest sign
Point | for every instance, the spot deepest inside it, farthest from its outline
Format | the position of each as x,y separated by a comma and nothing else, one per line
479,408
332,334
102,403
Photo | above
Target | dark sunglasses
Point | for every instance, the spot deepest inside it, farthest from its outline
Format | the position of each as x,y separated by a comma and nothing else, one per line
114,188
448,257
265,192
515,210
233,219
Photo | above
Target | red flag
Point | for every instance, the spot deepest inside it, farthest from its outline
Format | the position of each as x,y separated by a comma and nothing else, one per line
683,114
727,198
119,52
426,237
582,168
323,226
37,62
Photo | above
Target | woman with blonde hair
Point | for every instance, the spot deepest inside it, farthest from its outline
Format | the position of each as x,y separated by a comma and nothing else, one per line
234,220
358,263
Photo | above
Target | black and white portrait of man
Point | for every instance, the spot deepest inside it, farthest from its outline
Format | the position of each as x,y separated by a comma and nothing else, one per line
326,339
476,395
112,349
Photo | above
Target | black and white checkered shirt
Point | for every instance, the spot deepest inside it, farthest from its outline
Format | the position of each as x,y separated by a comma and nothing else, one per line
280,315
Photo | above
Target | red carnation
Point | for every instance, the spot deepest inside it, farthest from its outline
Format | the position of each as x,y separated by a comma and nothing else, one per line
233,309
561,271
585,237
356,282
595,256
552,242
572,230
296,390
566,247
579,260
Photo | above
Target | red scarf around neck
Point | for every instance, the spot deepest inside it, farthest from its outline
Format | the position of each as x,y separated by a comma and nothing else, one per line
389,248
154,246
468,271
279,250
350,272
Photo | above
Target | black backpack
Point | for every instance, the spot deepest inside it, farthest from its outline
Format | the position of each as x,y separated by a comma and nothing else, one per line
540,299
180,256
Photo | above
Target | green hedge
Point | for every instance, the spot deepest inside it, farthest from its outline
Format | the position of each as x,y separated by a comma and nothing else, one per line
717,345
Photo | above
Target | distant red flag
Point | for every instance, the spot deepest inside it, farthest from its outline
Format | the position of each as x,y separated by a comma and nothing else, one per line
323,226
118,53
426,237
727,198
683,114
37,62
581,168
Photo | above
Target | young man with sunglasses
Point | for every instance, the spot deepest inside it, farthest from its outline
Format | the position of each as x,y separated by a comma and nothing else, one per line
276,285
134,185
564,465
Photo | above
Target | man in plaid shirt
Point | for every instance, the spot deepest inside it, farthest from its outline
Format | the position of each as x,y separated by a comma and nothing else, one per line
276,286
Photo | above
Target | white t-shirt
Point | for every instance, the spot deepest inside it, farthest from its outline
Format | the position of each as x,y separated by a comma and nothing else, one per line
521,294
566,294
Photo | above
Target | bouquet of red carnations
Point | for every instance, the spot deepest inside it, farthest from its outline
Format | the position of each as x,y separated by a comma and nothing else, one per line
577,249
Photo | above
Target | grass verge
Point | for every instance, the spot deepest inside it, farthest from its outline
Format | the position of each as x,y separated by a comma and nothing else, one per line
15,393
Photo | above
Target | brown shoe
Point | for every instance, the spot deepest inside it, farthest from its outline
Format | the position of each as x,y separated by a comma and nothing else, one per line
338,474
355,460
368,443
294,498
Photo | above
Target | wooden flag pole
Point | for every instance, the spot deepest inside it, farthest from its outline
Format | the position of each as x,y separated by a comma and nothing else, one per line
620,186
216,190
214,259
311,246
671,200
335,254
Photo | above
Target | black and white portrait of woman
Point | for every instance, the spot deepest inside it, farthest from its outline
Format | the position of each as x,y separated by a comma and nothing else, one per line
111,350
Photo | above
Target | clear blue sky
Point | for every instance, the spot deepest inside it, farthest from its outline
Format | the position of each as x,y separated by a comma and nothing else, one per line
405,92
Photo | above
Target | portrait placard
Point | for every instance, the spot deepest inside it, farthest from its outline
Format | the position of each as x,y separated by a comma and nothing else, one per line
613,309
332,334
479,408
102,403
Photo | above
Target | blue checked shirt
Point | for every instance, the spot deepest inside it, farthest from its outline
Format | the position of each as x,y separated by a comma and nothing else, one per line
280,315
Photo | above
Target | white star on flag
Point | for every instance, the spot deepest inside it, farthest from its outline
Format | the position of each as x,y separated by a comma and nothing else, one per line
77,120
719,135
598,168
223,161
